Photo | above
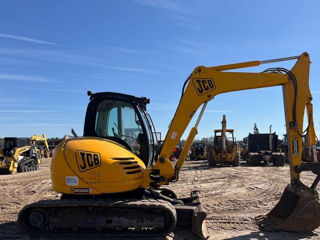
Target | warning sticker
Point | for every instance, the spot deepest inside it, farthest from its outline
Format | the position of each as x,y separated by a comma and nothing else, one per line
295,147
174,135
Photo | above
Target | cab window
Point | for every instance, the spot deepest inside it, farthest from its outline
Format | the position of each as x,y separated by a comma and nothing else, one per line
119,120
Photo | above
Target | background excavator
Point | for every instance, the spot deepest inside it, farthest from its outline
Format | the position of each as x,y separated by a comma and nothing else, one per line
223,150
111,178
22,154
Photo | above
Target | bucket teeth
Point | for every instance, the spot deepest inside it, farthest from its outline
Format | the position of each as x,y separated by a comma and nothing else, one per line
265,223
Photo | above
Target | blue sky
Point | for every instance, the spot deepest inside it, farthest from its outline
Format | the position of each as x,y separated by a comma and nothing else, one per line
52,52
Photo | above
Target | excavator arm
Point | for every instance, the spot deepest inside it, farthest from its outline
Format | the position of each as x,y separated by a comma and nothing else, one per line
205,83
310,142
40,138
299,208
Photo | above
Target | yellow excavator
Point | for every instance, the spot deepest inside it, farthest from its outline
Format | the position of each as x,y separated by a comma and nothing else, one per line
21,154
110,179
224,150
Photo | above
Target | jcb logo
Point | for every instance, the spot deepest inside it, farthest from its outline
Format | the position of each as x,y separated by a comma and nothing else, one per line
87,160
203,85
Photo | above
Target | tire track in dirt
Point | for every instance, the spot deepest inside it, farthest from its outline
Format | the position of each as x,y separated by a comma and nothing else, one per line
20,189
230,223
233,196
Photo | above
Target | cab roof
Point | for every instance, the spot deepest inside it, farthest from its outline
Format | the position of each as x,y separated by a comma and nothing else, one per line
140,101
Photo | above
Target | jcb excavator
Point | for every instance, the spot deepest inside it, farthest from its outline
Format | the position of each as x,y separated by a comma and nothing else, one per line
223,150
21,154
111,178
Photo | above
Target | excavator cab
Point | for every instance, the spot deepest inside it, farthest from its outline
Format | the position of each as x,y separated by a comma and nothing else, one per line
123,119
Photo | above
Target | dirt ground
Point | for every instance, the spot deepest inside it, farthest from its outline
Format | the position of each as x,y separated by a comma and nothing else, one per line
232,197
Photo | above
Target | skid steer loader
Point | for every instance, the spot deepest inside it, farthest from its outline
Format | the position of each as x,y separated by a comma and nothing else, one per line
21,154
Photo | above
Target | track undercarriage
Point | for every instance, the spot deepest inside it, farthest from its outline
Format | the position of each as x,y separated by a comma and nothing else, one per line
28,164
153,215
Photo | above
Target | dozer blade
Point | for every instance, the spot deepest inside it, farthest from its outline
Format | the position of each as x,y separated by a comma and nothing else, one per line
191,215
297,211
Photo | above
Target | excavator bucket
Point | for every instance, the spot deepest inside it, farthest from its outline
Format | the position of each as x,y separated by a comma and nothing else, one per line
298,211
190,215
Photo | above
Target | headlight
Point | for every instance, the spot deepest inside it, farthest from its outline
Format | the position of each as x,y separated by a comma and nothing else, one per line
11,153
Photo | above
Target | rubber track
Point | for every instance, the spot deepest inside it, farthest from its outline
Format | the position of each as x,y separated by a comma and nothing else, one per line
103,203
27,166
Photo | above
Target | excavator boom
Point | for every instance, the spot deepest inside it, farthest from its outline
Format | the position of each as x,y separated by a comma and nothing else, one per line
205,83
40,138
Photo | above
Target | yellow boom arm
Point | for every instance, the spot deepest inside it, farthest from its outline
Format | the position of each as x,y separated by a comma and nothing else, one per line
206,82
40,138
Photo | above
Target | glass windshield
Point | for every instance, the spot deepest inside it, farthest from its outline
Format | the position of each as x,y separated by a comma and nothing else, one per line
119,119
10,143
150,137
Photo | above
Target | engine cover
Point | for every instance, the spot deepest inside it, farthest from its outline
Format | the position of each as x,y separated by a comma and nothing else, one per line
90,165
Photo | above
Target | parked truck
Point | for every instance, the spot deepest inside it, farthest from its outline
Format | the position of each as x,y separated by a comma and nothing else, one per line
263,148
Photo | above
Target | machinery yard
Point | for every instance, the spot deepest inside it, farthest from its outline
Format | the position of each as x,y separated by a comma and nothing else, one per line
132,100
107,183
231,196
